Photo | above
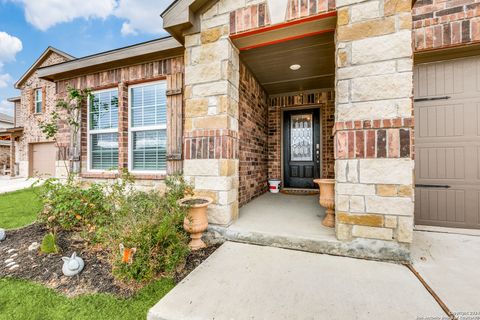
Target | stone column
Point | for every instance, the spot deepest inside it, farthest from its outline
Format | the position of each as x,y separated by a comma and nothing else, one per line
211,112
374,125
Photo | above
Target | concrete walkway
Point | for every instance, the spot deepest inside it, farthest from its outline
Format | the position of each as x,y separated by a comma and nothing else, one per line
8,184
241,281
450,264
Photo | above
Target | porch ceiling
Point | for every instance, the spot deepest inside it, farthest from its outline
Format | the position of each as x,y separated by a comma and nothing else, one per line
271,64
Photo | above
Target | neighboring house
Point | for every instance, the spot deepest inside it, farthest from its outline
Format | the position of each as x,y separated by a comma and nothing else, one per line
6,122
32,152
245,91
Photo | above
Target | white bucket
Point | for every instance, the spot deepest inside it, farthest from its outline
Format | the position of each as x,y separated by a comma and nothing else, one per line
274,185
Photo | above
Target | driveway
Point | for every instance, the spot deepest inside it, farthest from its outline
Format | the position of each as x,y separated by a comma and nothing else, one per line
450,264
8,184
241,281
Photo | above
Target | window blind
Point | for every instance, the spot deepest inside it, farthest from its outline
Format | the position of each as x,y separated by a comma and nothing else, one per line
148,113
103,124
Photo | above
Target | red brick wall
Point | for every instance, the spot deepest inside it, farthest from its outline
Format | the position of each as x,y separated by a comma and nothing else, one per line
445,23
253,136
257,15
327,117
387,138
119,78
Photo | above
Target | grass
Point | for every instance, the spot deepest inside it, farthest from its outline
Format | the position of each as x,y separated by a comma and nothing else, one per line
20,299
19,208
25,300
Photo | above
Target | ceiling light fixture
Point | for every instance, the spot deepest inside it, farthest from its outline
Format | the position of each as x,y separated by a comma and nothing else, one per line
295,67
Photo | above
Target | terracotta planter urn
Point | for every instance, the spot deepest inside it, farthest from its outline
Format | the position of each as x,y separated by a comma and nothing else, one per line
327,200
196,220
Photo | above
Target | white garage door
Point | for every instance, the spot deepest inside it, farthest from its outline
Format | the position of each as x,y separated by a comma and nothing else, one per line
447,143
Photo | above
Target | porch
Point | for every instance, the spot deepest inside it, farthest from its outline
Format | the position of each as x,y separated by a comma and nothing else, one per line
282,219
295,222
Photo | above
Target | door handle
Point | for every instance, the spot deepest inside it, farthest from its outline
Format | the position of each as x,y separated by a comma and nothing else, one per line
444,186
431,99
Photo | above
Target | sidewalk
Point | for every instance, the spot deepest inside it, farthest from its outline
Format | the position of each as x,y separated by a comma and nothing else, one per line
8,184
450,264
241,281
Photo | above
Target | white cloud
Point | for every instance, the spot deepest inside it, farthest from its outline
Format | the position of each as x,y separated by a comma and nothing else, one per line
47,13
6,107
5,80
138,15
9,47
141,15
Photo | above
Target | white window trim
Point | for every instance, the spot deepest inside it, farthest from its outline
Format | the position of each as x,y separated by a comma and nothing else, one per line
37,101
96,131
146,128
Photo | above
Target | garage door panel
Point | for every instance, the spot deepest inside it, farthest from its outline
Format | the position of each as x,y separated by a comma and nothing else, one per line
43,156
438,120
441,163
447,143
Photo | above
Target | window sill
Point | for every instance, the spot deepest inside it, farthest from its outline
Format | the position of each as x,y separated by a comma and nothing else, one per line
149,176
99,175
115,175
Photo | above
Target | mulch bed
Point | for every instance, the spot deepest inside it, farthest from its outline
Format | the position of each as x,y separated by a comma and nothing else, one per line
96,277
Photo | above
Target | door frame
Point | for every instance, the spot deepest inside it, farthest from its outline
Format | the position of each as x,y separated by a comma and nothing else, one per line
282,118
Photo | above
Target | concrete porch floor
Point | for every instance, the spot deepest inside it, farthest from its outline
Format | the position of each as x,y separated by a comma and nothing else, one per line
295,222
283,214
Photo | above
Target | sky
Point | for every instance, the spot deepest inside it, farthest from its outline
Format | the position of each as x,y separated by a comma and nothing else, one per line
77,27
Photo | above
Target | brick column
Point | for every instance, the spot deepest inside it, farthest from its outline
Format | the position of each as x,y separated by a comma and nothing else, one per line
122,126
374,125
211,113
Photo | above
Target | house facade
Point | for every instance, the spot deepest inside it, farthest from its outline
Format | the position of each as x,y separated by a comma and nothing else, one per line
31,153
380,95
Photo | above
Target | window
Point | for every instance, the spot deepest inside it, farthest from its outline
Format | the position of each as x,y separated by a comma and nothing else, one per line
38,100
103,130
147,129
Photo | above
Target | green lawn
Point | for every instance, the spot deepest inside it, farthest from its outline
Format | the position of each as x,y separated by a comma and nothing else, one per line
19,208
24,300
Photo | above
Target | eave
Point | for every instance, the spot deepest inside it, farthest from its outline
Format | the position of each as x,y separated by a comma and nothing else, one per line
147,51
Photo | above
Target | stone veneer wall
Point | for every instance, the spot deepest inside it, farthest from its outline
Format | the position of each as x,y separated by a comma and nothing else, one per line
445,23
253,137
373,130
325,101
121,78
26,117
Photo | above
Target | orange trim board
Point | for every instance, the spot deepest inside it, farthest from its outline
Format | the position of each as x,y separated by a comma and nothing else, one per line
283,25
286,39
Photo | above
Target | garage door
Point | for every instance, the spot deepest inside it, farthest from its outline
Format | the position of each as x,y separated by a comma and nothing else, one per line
447,143
43,157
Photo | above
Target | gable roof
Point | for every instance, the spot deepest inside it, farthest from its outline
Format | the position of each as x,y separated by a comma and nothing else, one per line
153,49
42,58
14,99
180,16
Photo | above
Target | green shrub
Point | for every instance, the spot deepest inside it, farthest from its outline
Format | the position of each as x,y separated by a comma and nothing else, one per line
116,213
70,206
153,224
49,244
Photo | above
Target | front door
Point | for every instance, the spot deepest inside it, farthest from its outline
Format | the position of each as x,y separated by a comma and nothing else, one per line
301,140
